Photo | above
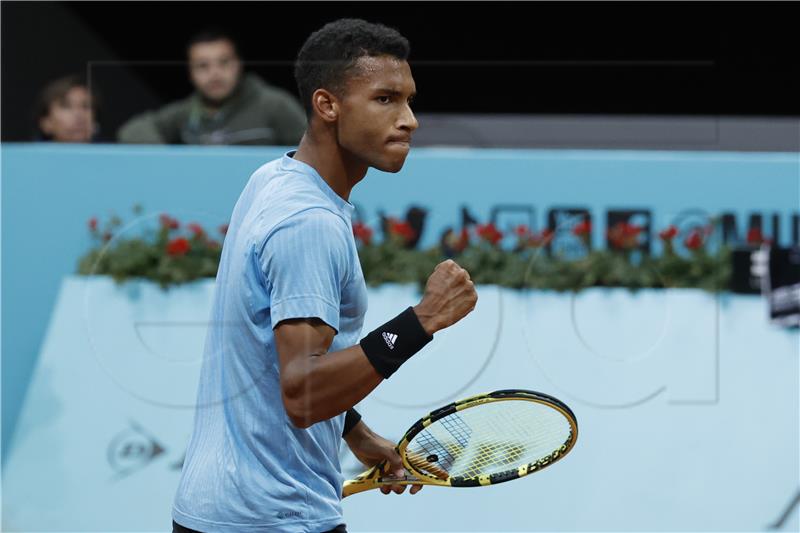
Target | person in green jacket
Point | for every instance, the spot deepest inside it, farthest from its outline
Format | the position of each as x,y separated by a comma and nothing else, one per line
227,107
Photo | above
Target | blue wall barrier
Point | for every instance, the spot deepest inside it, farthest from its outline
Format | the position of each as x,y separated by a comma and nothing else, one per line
686,403
49,192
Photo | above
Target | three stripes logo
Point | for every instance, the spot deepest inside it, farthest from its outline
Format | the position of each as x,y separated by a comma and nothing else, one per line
390,339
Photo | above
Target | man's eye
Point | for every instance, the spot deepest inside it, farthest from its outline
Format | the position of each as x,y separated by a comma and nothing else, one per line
384,99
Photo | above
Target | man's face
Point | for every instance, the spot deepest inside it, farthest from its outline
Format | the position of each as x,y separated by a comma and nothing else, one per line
214,69
70,118
376,122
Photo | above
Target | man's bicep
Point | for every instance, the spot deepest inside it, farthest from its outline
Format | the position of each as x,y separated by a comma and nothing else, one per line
309,336
296,340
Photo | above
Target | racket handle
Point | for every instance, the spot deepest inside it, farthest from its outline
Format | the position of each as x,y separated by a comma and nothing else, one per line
354,487
364,481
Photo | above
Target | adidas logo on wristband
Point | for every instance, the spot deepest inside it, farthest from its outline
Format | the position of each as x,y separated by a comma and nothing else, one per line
390,339
384,350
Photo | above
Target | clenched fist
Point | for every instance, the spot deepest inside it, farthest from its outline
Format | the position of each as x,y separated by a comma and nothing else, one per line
449,296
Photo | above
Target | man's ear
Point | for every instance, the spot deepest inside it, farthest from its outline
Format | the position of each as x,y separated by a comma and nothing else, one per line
325,105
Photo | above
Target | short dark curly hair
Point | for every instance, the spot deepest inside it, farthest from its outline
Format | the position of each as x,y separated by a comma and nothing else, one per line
210,35
330,52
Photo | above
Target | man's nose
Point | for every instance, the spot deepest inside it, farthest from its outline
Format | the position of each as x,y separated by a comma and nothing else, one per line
408,121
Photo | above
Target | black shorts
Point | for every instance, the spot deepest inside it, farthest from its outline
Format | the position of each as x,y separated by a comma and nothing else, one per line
177,528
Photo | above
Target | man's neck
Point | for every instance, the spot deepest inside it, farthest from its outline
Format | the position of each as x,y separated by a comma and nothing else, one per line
210,108
328,160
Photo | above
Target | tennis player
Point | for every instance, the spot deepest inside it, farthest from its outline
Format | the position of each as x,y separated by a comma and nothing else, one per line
284,360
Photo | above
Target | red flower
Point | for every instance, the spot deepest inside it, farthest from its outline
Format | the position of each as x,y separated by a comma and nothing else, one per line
694,240
362,232
669,233
584,228
623,235
754,236
456,242
631,230
223,229
522,230
169,222
93,224
401,229
489,233
178,246
196,229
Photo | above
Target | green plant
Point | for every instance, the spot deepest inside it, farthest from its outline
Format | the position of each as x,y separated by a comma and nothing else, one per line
173,254
169,254
529,265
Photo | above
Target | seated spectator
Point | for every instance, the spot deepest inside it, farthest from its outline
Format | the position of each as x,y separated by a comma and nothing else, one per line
227,107
64,112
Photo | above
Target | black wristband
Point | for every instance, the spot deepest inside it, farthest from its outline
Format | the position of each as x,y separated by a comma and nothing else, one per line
350,420
395,342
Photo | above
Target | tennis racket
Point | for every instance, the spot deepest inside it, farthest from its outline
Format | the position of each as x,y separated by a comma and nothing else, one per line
482,440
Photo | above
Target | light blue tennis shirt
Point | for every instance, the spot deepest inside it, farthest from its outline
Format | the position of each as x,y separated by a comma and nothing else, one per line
289,253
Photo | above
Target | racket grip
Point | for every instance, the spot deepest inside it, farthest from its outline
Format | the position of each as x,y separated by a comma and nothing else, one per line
364,481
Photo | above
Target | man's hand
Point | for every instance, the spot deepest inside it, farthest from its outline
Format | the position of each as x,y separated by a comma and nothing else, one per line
449,296
372,449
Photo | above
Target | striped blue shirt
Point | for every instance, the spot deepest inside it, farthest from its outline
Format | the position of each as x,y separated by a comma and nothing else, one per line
289,253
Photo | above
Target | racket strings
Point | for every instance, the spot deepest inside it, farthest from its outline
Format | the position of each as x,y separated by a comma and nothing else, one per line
494,438
443,455
512,443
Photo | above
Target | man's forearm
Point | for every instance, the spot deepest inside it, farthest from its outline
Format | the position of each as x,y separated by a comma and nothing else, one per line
357,435
320,387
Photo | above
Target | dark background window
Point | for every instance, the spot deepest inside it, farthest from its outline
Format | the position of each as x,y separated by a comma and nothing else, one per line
673,58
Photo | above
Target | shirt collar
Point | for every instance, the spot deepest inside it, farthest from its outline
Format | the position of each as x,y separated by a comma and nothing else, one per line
290,163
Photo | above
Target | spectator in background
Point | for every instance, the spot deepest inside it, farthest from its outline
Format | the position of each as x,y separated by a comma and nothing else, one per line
64,112
227,107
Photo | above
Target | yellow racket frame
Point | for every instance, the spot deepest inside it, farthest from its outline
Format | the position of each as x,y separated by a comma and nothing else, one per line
377,476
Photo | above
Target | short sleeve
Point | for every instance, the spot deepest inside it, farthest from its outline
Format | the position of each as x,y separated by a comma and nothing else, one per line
305,262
